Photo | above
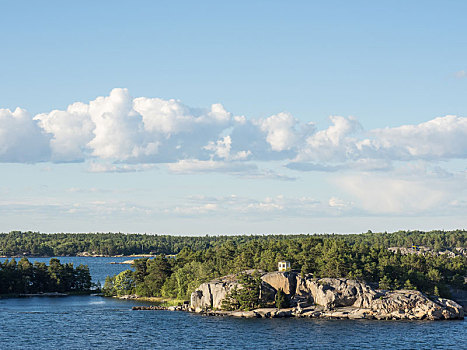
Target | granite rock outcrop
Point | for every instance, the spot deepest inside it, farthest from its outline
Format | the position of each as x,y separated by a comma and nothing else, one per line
328,297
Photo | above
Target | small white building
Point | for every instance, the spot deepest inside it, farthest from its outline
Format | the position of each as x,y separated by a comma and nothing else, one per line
283,266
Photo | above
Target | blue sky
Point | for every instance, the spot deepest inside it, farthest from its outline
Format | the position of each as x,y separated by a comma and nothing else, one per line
233,117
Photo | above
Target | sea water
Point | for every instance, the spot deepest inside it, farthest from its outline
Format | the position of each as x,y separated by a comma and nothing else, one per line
87,322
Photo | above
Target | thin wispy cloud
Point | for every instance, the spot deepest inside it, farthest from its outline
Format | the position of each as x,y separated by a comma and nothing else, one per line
103,167
461,74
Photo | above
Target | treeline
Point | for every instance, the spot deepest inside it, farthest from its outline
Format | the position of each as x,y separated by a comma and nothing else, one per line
364,257
437,240
69,244
24,277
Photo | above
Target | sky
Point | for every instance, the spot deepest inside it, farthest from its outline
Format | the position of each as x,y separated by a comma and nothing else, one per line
245,117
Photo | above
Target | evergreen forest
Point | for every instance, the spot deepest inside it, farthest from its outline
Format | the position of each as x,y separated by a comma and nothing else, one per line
362,257
23,277
17,243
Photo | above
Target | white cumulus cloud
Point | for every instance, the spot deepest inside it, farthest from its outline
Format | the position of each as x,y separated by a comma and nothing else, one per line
21,138
280,131
72,129
439,138
118,132
332,144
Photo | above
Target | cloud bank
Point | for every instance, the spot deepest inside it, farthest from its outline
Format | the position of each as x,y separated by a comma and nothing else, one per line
123,133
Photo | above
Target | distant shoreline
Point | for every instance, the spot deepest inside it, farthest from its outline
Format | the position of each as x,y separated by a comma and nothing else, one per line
78,256
47,294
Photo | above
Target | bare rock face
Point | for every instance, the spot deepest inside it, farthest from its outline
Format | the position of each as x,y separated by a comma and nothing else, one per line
335,292
337,298
210,295
281,280
451,306
410,304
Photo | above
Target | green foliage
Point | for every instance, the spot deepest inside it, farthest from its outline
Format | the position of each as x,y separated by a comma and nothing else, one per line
281,299
200,259
124,283
120,284
247,296
385,283
108,290
158,270
61,244
24,277
362,257
408,285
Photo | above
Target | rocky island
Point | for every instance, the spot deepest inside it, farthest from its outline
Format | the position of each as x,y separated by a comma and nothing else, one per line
338,298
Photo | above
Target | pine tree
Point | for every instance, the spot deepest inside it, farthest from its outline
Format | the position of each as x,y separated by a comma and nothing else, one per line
409,285
281,299
247,297
385,283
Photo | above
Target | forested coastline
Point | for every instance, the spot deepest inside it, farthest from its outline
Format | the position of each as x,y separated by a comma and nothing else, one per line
182,263
361,257
24,277
17,243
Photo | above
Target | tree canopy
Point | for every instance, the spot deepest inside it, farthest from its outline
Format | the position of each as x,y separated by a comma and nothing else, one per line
23,277
361,257
67,244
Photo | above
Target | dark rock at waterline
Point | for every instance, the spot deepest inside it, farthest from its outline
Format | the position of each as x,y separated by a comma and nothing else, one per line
160,307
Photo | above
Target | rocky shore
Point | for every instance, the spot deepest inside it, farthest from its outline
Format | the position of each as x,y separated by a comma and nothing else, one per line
335,298
126,262
157,307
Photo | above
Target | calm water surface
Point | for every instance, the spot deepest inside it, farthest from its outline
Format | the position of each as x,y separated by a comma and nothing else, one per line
84,322
99,267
